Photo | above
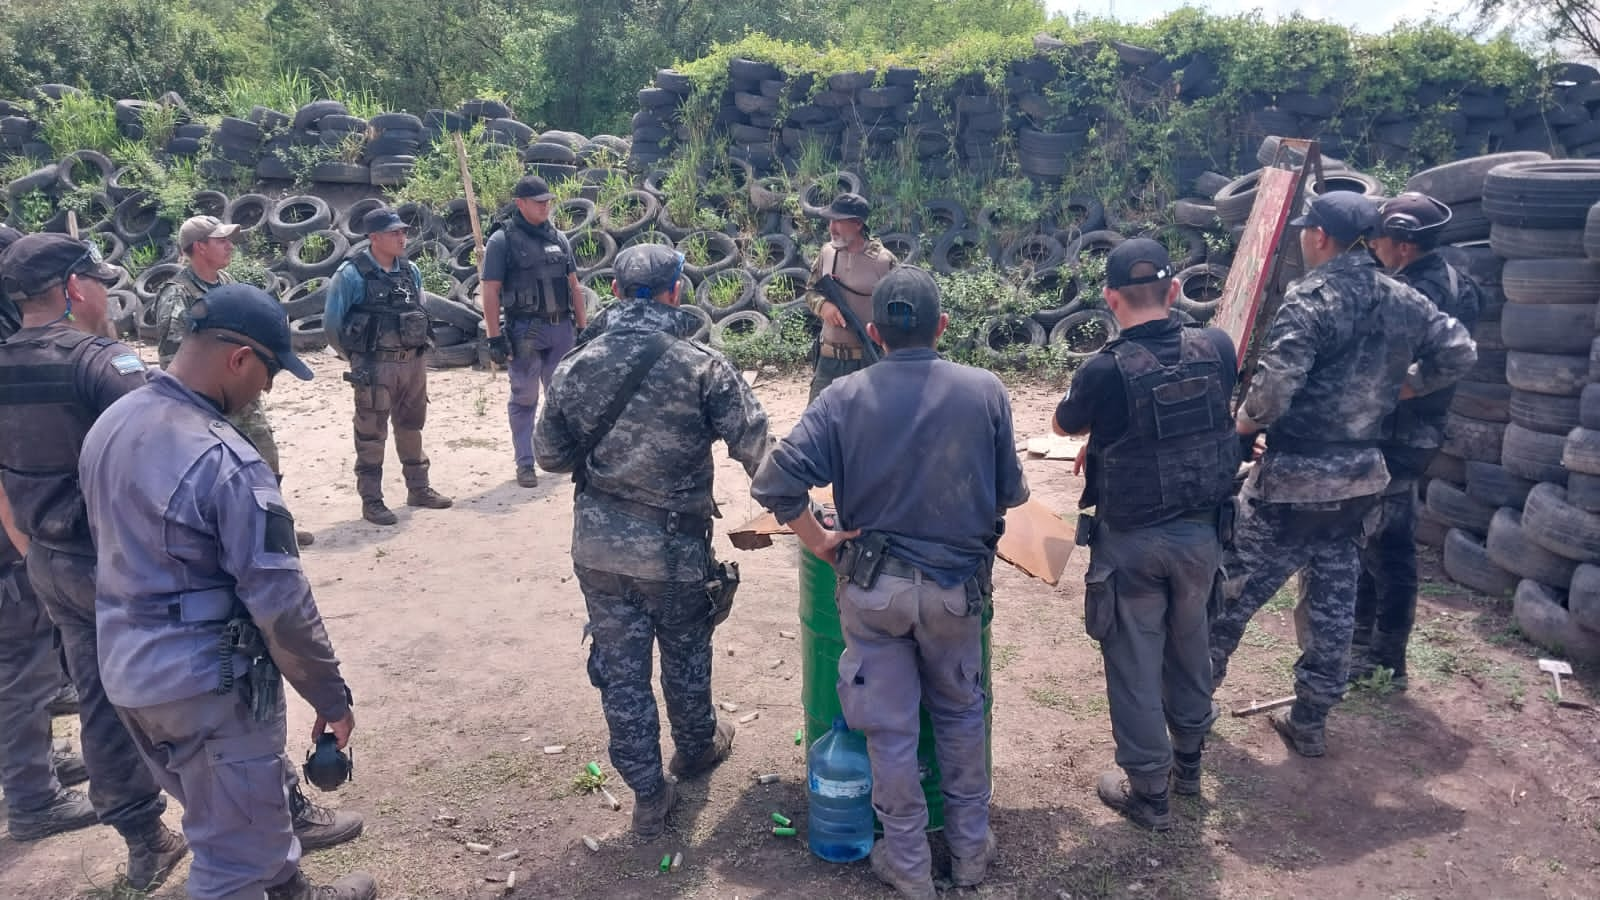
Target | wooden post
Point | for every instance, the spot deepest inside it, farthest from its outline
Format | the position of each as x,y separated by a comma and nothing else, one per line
472,216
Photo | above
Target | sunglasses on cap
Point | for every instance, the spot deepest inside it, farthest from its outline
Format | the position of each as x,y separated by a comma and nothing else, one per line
271,362
93,258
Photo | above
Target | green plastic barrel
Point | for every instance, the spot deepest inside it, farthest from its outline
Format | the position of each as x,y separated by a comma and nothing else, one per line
821,643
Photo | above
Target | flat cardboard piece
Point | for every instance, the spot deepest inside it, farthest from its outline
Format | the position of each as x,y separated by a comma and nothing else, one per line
1037,541
1054,446
1257,257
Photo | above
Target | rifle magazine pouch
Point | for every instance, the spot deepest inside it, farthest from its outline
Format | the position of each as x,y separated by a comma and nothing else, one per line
355,333
1099,600
413,329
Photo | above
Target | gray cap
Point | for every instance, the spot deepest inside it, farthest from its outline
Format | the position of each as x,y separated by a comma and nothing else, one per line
905,298
646,269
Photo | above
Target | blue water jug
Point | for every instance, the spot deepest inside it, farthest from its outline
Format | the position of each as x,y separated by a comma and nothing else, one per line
839,785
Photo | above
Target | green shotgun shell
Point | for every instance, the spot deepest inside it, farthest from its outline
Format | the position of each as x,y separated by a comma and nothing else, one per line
799,735
594,769
666,862
783,832
781,819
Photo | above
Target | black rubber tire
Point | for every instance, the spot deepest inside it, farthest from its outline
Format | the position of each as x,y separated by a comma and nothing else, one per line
1511,549
1081,334
1543,194
1467,562
1236,198
1532,455
778,250
1485,402
1583,597
743,300
959,250
1537,610
103,168
605,250
1545,413
1462,180
1591,233
745,321
137,220
298,215
302,270
1563,375
1430,531
150,281
1445,467
1200,289
1489,335
1473,439
1490,483
1489,369
819,192
943,214
1014,335
583,211
724,253
306,334
793,281
1453,507
1093,243
453,356
1511,242
308,298
1583,491
452,312
307,116
1032,253
1560,527
1551,280
1581,452
1589,406
622,230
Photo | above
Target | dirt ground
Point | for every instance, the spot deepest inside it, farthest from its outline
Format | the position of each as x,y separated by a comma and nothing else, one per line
460,630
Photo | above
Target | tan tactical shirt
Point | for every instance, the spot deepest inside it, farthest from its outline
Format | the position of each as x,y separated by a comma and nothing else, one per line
859,273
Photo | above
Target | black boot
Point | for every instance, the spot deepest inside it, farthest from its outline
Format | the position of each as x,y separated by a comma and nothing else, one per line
318,827
1186,772
1147,810
1303,730
154,850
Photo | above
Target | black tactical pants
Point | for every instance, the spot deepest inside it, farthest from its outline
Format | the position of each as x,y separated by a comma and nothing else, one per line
830,370
1386,595
29,677
627,618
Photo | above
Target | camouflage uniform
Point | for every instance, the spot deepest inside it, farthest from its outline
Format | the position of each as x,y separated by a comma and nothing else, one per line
1328,376
172,323
859,273
642,573
1386,597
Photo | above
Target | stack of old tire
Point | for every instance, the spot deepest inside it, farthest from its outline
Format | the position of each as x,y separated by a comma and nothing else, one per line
1530,526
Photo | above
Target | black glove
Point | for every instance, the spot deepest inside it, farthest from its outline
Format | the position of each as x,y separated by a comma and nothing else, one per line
499,349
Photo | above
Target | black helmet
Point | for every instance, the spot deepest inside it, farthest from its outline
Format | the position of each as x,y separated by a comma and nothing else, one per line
1413,217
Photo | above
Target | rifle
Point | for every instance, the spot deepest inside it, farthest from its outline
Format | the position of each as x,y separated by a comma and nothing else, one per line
833,291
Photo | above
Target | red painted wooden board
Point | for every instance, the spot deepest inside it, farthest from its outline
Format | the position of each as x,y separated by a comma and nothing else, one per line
1258,251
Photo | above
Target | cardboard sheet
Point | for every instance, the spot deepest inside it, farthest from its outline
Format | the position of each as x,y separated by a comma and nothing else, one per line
1037,541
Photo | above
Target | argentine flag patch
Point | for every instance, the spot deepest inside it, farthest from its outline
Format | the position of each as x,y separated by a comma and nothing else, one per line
128,363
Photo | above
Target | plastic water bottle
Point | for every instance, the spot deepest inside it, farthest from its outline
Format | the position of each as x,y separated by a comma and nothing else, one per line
839,785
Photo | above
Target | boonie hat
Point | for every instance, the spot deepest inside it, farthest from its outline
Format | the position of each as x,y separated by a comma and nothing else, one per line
532,187
247,310
35,263
848,206
200,228
905,298
1344,215
646,269
380,220
1129,255
1411,216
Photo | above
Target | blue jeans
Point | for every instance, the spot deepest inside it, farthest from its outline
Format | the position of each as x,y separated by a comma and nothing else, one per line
536,347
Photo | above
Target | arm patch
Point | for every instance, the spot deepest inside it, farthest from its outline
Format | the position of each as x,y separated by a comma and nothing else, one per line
278,536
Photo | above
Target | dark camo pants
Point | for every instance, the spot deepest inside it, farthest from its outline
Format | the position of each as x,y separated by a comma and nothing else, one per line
830,370
627,618
230,773
123,791
399,392
1386,596
1157,653
252,423
29,677
1271,542
909,643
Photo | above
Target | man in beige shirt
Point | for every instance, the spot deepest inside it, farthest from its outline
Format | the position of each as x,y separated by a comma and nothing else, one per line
858,261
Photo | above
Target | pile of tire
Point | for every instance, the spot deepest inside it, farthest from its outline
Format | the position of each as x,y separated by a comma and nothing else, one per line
1515,499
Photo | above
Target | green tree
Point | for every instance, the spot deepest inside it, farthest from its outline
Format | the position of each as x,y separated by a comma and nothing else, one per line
1574,23
920,24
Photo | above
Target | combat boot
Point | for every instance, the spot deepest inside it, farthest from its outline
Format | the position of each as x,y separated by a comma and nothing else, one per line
969,871
68,766
1186,772
373,510
650,813
721,746
1303,735
1147,810
319,827
65,702
304,538
428,498
69,810
154,850
527,476
907,886
355,886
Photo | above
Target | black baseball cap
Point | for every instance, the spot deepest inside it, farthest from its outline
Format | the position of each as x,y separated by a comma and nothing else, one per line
532,187
1411,216
382,219
8,236
1129,255
848,206
248,311
644,270
1344,215
35,263
905,298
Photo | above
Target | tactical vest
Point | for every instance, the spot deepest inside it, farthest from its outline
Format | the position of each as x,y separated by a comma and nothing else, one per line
390,314
43,421
536,272
1180,453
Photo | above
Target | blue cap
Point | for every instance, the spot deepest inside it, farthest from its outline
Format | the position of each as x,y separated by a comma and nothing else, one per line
382,219
1344,215
644,270
905,298
248,311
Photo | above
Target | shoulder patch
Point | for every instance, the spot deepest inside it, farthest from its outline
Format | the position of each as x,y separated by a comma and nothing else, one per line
127,363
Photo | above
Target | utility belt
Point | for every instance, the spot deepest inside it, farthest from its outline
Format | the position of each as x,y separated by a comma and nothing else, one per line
213,605
262,684
1223,517
863,560
840,351
1289,443
673,522
385,356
